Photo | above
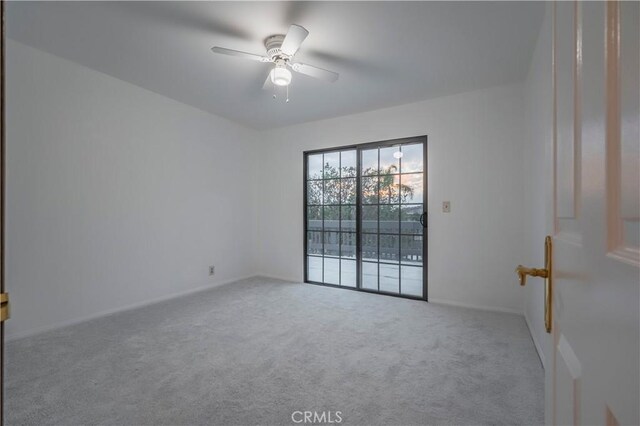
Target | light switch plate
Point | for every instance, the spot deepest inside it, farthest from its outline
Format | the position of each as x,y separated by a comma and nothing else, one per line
446,207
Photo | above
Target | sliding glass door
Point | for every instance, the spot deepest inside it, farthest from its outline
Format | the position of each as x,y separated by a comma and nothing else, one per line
392,200
365,217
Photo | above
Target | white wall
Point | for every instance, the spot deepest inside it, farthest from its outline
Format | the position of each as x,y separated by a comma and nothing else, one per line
475,143
538,123
116,195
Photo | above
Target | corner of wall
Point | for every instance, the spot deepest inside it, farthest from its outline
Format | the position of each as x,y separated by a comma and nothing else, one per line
535,339
537,94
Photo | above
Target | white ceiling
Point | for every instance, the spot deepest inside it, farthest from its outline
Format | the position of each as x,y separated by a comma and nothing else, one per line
387,53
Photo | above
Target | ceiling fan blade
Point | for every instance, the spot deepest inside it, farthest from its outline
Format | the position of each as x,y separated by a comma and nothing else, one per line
268,85
315,72
240,54
294,38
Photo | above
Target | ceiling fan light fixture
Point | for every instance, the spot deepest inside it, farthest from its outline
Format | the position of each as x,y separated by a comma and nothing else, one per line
280,76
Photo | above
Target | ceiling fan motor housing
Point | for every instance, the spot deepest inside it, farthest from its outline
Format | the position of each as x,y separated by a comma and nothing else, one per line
273,45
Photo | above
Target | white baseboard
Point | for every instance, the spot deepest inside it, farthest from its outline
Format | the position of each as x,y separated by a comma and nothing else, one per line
431,300
473,306
273,277
51,327
536,343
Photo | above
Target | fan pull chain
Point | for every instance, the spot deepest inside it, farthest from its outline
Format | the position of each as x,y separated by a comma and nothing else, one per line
275,93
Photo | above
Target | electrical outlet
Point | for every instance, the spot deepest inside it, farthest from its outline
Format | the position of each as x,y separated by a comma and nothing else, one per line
446,207
212,270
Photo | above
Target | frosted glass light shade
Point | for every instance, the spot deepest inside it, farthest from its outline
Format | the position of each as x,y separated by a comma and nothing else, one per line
280,76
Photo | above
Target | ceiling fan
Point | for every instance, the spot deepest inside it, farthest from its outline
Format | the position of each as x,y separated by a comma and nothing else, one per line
280,51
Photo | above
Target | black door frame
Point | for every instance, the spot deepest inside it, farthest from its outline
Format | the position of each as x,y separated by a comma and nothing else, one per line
359,147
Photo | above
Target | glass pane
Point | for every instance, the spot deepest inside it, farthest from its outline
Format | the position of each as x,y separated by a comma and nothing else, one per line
348,273
348,163
348,191
314,268
348,245
314,242
348,218
390,219
369,190
331,270
388,163
389,248
389,278
331,218
369,163
332,191
314,166
370,219
410,216
370,246
411,280
370,275
412,188
314,192
389,185
314,218
411,249
332,165
332,244
412,158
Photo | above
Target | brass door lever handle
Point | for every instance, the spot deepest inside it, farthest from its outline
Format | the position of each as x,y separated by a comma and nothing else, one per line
523,272
545,273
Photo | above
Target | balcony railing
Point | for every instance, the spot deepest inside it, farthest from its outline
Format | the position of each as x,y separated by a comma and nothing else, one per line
409,246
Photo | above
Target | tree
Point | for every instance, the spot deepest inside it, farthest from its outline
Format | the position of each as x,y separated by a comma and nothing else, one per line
383,188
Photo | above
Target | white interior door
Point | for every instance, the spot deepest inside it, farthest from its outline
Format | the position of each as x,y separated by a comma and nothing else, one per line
594,375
